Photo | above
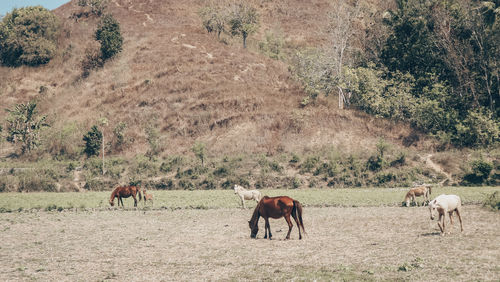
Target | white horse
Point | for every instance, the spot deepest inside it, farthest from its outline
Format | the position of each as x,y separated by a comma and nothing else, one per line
446,204
247,194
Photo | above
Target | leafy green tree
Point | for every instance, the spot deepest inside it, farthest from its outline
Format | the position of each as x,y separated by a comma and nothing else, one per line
24,126
97,6
28,36
477,129
411,46
93,141
109,35
243,20
214,18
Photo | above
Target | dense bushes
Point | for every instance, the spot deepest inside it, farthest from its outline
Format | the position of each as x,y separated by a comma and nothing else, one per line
109,36
93,141
28,36
433,64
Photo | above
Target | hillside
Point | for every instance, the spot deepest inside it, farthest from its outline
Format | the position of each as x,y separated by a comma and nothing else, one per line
186,86
175,76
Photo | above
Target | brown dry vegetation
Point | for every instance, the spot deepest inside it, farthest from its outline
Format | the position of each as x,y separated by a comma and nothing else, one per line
190,86
372,243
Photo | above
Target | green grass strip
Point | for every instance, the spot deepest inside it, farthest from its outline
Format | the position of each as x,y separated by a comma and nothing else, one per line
214,199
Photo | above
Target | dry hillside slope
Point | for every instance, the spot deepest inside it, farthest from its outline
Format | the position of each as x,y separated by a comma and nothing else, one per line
175,77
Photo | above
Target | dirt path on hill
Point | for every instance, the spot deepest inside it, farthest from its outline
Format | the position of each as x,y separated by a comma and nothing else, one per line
428,161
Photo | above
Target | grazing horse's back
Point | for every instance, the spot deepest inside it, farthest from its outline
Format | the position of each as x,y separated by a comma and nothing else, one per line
276,207
413,193
125,192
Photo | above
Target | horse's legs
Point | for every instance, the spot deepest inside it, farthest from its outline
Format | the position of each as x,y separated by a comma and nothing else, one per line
268,229
120,200
135,200
451,222
460,219
290,225
243,202
441,216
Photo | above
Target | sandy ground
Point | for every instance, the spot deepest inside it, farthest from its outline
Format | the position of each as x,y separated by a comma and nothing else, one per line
380,243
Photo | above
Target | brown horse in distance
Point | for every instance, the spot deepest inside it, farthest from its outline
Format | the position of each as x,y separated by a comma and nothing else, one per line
423,190
276,207
147,197
125,192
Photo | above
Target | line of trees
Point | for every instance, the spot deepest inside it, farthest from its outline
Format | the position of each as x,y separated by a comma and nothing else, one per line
434,64
237,19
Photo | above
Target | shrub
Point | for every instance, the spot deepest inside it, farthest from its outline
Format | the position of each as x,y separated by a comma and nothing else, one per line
493,201
34,181
375,163
275,166
199,151
164,184
91,61
93,141
309,164
214,18
97,7
295,159
222,171
480,172
208,184
28,36
399,161
109,35
477,129
272,46
24,126
327,168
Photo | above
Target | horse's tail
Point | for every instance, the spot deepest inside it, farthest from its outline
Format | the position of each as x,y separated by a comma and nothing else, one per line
297,213
139,192
430,189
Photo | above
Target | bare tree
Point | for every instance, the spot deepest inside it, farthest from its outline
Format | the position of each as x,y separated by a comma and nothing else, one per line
344,28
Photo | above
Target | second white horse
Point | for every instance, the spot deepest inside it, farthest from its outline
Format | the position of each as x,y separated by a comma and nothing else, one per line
245,194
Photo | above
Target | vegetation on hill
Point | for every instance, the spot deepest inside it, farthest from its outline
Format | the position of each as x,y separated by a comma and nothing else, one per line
28,36
186,110
436,66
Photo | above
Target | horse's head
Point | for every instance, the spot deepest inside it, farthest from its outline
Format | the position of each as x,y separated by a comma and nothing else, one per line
112,203
236,188
254,229
432,208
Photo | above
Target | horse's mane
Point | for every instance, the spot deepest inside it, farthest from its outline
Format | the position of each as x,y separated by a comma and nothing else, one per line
113,194
256,213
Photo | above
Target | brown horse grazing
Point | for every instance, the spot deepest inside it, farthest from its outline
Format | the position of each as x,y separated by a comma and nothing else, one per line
125,192
147,197
423,190
276,207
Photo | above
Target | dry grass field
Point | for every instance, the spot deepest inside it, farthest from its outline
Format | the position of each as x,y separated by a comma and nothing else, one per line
343,243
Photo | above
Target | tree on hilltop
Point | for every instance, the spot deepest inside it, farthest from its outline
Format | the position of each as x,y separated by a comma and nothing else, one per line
243,20
109,35
28,36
